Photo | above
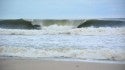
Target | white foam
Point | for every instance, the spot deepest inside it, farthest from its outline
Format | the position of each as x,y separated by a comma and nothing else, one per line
54,29
64,42
100,53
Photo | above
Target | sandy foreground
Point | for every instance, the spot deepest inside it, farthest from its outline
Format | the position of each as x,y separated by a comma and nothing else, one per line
37,64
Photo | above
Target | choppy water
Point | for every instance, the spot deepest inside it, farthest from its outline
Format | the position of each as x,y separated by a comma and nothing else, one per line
71,46
65,41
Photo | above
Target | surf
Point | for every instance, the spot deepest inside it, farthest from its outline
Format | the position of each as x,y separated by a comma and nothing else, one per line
40,24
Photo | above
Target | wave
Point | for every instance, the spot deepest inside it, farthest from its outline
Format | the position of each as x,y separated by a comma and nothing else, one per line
72,27
102,23
59,24
72,24
16,24
37,24
77,53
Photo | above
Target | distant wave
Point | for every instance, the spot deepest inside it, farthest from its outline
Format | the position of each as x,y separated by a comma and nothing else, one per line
102,23
50,24
72,24
16,24
59,24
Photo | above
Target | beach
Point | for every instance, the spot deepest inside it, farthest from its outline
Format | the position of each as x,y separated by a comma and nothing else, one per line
38,64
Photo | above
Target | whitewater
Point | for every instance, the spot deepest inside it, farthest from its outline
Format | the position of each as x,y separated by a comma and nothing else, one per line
66,39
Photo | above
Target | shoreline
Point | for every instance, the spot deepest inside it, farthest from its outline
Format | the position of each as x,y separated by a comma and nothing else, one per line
64,59
50,64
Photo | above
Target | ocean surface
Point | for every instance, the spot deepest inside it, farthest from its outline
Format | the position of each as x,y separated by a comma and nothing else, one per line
95,39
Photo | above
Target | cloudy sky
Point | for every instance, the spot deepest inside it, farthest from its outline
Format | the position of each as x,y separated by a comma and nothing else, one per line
62,9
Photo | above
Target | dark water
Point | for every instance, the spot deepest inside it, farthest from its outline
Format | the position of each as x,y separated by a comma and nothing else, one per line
39,24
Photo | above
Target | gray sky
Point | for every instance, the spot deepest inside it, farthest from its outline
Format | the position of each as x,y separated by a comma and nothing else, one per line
62,9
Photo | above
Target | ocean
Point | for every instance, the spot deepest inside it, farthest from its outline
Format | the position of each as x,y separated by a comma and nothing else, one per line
85,39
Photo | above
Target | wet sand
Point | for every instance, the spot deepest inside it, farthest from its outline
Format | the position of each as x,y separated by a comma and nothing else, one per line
37,64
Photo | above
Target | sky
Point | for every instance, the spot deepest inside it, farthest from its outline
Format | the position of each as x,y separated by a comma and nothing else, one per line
61,9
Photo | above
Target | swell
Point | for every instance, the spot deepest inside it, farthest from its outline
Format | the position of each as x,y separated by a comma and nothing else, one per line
16,24
102,23
59,24
38,24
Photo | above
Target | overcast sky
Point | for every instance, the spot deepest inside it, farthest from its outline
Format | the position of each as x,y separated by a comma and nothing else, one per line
62,9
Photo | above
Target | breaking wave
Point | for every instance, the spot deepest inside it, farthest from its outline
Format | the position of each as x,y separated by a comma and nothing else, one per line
72,24
59,24
102,23
77,27
16,24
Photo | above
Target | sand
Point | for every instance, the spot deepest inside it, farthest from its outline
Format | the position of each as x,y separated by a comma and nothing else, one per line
37,64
